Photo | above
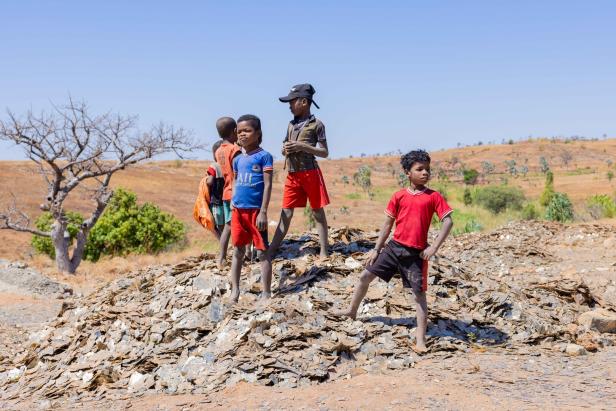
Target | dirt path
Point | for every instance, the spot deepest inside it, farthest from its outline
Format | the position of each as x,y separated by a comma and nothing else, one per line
469,381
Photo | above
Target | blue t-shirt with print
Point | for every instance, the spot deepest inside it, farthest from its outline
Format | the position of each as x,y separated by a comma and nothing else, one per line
249,184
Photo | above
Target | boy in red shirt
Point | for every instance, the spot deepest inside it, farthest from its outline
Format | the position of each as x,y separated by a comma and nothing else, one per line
408,252
224,156
305,140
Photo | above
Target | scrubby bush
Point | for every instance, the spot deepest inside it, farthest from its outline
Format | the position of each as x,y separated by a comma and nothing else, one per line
548,191
468,198
44,245
543,165
530,212
487,167
126,227
610,176
601,206
403,180
309,215
123,228
560,208
498,198
362,177
470,176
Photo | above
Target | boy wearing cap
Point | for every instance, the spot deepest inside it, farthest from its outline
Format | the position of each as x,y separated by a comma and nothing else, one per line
224,156
252,189
305,140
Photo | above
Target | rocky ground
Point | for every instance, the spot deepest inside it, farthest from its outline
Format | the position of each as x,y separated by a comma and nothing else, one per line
522,317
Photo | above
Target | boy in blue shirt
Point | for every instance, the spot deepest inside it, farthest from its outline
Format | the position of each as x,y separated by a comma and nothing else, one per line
252,189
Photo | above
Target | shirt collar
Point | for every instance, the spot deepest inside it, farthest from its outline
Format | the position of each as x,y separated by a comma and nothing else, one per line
416,193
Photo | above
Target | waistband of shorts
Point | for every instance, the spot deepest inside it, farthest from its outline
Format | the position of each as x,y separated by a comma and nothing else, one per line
398,244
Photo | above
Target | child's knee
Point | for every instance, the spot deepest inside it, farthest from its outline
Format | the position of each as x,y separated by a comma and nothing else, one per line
366,277
287,212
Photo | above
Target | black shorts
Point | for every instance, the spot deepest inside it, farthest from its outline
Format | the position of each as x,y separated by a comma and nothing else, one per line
396,258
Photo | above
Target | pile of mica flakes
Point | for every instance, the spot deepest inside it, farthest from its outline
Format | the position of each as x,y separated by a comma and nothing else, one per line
171,329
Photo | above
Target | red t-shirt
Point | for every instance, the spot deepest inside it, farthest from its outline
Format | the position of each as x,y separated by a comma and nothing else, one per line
224,157
413,214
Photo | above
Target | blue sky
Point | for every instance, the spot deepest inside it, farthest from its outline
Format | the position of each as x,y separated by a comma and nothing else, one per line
389,75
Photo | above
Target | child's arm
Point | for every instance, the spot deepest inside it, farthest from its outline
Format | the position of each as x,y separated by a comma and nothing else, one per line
296,147
380,243
267,193
209,181
442,235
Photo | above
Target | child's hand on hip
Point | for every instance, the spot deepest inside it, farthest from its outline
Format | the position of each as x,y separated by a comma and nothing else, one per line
372,256
428,253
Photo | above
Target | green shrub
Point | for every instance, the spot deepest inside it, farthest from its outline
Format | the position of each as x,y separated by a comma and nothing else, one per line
601,206
530,212
548,191
468,198
126,228
543,165
362,177
610,175
310,221
470,176
44,245
498,198
403,179
560,208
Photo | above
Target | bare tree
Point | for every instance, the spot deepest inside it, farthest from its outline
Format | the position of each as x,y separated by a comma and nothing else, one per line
72,148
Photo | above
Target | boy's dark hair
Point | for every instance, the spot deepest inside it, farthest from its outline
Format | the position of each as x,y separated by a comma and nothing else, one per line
255,122
412,157
215,147
225,126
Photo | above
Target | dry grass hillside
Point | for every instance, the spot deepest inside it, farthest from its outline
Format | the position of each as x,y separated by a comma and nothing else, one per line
580,167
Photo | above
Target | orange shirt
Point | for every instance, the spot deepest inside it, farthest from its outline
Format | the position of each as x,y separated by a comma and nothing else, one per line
224,157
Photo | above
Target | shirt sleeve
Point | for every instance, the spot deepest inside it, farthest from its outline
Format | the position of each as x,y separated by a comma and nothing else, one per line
267,162
320,130
392,207
234,165
441,207
211,171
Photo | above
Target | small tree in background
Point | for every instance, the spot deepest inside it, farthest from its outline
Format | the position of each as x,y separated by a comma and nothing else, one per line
310,221
566,157
543,165
468,198
523,170
362,178
488,168
72,149
610,176
548,191
511,167
560,208
403,179
470,176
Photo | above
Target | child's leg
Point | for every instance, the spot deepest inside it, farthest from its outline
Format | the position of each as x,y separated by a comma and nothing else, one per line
281,231
236,270
422,319
266,275
321,223
360,292
224,244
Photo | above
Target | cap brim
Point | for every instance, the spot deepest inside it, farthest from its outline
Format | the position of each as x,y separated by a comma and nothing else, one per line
286,99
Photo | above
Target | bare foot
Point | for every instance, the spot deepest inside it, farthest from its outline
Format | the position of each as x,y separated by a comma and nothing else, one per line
344,313
234,297
419,348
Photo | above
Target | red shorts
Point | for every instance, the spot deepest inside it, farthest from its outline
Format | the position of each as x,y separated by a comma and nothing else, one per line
244,228
301,186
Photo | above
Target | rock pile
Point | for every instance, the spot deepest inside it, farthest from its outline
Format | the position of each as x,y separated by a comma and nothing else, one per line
171,329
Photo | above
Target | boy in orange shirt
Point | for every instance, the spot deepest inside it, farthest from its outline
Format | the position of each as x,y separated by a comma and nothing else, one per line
225,154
